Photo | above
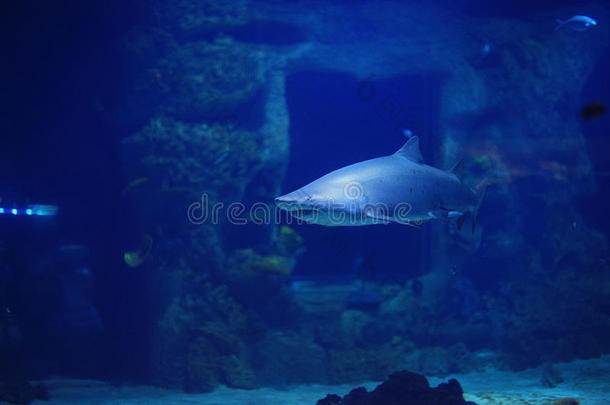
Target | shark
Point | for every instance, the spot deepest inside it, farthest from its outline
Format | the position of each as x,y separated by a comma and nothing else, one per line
398,188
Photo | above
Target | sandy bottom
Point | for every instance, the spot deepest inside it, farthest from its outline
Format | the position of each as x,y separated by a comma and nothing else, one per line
586,380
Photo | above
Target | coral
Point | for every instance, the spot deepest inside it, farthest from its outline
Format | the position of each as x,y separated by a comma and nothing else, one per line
272,264
183,159
194,18
208,80
200,338
259,275
215,356
188,89
289,242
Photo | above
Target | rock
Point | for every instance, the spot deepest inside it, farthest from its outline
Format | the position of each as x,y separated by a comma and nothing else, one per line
357,396
403,388
237,373
287,358
330,399
208,79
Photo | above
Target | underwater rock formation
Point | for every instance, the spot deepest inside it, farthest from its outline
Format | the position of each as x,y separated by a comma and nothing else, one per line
284,358
208,80
212,118
213,131
402,388
196,19
201,339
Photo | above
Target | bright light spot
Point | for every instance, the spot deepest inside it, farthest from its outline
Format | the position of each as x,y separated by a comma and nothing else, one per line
43,210
28,211
14,211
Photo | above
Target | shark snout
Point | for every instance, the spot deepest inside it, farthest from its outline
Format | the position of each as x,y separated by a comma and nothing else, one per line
287,202
284,199
296,200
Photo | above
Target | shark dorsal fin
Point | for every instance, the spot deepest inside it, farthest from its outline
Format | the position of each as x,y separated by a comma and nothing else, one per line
410,150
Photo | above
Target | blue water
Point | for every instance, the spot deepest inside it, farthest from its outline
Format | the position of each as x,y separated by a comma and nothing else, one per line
81,81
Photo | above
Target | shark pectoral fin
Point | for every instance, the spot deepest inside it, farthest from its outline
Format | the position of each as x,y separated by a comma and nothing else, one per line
382,219
410,150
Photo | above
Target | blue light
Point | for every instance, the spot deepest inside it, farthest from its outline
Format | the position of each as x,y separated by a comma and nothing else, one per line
43,210
31,210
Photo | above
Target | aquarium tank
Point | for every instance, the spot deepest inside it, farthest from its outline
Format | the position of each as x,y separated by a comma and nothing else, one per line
321,202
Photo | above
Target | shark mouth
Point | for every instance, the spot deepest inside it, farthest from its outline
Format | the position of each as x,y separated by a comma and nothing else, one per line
296,209
303,211
306,215
300,211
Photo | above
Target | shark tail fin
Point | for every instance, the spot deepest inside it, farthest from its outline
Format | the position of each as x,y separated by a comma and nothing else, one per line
480,190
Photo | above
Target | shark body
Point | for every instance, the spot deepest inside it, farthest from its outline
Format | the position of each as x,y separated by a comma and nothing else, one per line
396,188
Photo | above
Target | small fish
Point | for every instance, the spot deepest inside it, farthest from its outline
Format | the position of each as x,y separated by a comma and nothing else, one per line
137,257
593,110
577,23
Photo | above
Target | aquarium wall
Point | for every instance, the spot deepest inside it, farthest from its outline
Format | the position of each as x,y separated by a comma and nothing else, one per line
162,131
